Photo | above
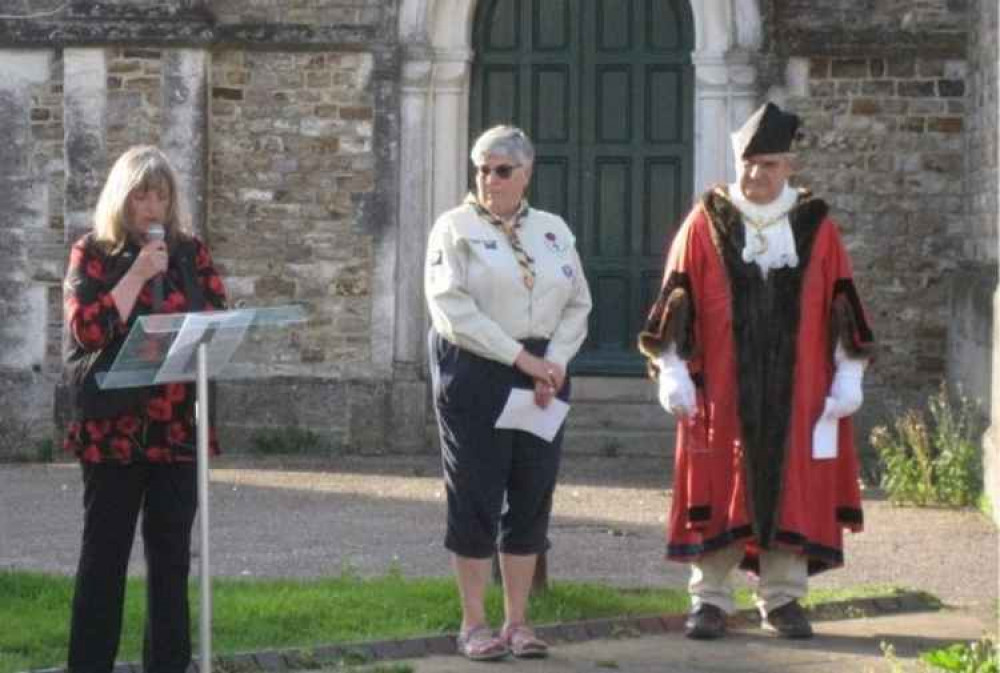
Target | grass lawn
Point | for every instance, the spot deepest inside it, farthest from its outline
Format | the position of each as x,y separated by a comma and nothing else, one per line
251,615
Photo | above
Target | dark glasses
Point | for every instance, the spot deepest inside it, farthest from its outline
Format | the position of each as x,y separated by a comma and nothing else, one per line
503,171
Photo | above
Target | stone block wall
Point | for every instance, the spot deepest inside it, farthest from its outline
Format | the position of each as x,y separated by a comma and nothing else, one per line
280,118
291,163
883,141
31,172
975,346
357,12
884,96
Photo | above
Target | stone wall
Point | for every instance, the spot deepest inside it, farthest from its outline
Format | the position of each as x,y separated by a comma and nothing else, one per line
976,335
884,96
281,120
30,243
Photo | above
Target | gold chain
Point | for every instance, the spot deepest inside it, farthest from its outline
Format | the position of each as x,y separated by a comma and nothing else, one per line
759,227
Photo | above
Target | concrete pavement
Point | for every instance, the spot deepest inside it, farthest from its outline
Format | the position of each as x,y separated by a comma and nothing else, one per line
846,646
379,512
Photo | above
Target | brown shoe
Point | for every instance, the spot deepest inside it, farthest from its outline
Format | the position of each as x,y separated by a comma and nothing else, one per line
788,621
706,622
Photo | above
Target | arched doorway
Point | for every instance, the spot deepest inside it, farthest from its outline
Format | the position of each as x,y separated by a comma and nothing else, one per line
605,89
436,40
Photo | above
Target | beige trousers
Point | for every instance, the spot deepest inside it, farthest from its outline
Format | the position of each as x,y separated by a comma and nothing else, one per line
784,577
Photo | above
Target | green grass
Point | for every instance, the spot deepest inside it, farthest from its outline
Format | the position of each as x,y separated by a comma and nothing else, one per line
251,615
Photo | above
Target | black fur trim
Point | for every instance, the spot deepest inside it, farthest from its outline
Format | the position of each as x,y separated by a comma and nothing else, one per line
820,557
850,515
688,551
848,324
700,513
671,320
765,318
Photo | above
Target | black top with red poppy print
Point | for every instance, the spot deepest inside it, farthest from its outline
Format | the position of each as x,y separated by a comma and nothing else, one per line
161,426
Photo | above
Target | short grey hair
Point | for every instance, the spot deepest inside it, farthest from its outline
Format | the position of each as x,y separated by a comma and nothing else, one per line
503,141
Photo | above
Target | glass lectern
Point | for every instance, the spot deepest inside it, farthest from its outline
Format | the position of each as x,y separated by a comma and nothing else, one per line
167,348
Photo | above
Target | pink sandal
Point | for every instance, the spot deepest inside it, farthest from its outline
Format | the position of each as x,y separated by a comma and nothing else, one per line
523,642
479,644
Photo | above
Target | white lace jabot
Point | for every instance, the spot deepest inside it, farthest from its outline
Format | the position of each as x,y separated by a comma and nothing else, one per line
766,230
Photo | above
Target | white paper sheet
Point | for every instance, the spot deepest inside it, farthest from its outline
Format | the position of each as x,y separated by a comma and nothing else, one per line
521,413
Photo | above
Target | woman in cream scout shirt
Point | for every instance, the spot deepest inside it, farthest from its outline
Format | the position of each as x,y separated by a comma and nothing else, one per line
509,304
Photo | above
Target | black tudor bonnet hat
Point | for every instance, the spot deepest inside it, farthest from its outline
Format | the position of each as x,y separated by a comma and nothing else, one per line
770,130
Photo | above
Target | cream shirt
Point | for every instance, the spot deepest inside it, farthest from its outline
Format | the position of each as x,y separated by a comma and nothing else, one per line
477,297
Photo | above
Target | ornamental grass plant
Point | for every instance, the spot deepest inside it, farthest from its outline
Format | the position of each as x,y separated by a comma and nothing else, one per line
931,456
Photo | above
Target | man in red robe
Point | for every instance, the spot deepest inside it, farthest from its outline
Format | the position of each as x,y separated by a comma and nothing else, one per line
759,342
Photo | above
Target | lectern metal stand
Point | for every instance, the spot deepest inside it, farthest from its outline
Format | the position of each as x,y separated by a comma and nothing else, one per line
185,347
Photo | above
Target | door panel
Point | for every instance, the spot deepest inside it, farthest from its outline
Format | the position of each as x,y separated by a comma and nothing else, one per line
604,88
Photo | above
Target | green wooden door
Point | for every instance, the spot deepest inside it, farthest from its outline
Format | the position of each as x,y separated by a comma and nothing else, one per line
604,88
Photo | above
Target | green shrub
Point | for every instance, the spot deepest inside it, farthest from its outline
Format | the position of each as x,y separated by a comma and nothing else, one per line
287,441
931,457
976,657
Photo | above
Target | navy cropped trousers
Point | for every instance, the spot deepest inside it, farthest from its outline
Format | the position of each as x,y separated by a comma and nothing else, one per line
499,482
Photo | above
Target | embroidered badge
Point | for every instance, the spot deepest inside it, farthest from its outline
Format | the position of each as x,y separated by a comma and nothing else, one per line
567,270
555,245
487,243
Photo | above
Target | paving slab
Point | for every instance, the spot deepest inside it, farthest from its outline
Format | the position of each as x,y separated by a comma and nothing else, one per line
845,646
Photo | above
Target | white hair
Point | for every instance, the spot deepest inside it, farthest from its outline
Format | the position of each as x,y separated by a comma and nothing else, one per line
503,141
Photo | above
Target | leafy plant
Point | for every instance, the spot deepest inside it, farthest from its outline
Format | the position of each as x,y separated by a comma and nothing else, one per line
931,456
286,441
975,657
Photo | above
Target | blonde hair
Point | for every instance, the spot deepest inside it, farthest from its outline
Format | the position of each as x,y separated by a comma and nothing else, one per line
140,168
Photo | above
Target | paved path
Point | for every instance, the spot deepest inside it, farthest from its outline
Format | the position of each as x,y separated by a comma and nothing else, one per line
311,519
851,646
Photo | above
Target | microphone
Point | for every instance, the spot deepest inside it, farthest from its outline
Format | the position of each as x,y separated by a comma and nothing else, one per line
156,232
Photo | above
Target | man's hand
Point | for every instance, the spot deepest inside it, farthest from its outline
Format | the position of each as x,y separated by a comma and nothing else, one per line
676,394
845,395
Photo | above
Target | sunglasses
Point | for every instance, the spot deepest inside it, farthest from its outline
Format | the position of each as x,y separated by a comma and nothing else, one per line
503,171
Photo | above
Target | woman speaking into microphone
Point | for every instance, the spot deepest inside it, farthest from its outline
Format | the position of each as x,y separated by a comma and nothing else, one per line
136,446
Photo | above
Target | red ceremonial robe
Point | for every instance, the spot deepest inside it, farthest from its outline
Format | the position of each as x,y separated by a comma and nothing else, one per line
760,351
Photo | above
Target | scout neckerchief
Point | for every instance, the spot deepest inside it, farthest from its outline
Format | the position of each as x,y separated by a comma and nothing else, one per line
509,227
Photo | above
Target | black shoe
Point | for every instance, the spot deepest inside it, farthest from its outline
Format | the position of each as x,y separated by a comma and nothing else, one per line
706,622
788,621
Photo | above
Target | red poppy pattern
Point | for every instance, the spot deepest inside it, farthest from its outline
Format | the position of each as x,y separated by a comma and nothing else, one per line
163,430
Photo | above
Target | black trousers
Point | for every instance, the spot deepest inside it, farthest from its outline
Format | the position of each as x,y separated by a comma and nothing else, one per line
499,483
113,497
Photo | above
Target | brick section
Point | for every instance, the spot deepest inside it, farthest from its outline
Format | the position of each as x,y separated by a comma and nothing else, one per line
980,240
287,178
135,99
845,26
882,146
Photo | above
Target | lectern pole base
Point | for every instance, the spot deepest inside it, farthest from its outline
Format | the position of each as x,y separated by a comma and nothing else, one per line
205,615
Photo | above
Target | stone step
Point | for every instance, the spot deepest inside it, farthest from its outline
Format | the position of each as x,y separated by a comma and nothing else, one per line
597,388
618,442
610,415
